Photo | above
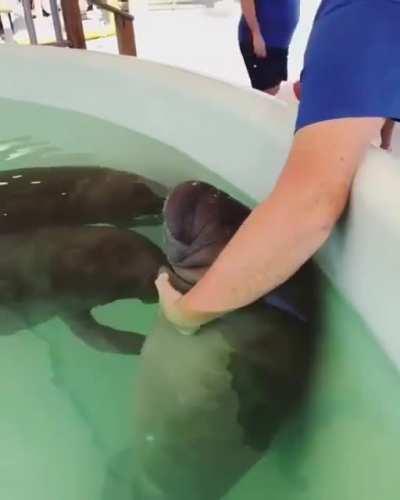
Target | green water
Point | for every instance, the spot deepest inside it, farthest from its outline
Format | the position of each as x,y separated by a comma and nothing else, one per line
66,411
346,444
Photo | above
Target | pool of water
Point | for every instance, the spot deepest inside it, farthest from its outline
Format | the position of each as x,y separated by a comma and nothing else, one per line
67,412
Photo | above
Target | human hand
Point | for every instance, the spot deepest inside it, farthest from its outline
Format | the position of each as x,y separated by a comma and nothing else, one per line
170,305
260,49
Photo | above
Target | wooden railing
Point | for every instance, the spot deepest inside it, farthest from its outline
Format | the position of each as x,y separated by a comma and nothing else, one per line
123,25
74,27
73,24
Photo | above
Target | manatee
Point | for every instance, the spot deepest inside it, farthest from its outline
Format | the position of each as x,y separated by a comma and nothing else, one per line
73,196
210,405
66,271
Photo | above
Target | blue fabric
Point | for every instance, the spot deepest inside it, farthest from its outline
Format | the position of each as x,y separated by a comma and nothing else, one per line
277,19
352,62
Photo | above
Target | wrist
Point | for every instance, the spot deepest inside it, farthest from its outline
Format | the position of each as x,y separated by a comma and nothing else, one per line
185,321
190,317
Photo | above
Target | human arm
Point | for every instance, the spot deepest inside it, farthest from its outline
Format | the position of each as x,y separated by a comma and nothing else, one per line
283,231
250,15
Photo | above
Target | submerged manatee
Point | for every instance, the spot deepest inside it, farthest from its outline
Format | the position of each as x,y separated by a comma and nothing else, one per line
44,196
66,271
208,406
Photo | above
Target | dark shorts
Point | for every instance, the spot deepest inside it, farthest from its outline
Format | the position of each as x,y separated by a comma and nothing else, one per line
268,72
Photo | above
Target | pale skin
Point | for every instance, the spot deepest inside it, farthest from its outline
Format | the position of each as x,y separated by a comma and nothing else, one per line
283,231
249,13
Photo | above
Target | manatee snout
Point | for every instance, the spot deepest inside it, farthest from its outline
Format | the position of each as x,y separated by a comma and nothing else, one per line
199,220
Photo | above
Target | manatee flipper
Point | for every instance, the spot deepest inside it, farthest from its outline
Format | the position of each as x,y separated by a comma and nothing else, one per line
103,338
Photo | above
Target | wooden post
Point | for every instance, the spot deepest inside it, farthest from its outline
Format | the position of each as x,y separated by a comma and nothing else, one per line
124,26
125,35
73,23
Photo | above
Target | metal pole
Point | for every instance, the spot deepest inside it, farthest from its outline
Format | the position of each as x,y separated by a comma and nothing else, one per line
56,21
37,8
30,26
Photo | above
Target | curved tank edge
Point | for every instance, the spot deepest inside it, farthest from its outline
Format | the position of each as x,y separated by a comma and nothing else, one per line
205,119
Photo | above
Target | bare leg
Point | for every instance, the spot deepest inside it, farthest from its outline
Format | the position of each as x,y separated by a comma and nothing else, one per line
386,134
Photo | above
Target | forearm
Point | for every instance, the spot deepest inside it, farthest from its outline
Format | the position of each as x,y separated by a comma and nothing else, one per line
291,225
292,231
250,15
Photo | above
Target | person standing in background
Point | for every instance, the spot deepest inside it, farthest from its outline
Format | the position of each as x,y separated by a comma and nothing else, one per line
265,31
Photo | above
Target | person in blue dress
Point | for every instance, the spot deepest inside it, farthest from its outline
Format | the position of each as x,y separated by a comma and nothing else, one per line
350,86
266,29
